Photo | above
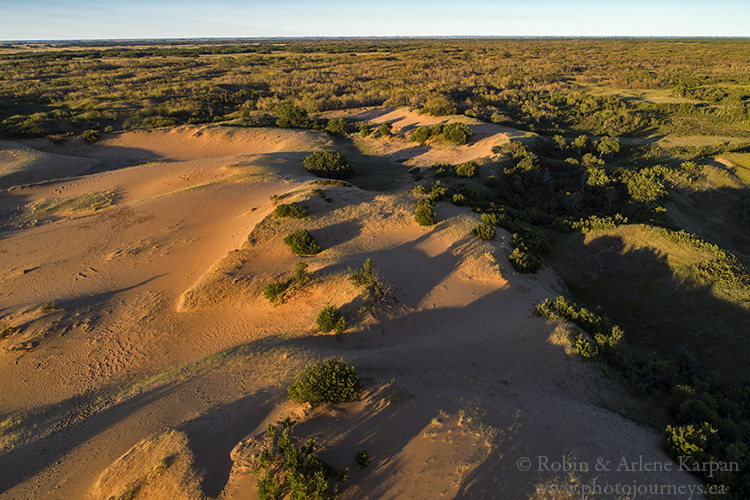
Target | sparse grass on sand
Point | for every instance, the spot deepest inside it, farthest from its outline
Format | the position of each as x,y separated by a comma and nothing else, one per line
51,208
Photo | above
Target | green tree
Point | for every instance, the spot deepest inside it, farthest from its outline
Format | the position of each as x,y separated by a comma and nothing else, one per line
580,142
560,142
608,146
457,133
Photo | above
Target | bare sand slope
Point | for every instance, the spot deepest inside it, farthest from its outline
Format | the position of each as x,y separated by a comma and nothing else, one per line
20,164
159,358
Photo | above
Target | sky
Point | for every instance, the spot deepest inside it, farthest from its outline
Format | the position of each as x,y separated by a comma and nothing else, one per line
132,19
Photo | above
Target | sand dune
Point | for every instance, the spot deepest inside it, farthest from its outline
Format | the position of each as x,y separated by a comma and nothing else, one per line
160,354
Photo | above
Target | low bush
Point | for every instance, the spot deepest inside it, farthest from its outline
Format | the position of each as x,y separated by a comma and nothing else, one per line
273,292
424,214
362,458
385,129
330,319
330,182
289,210
336,126
329,381
328,164
523,261
367,279
457,133
90,135
468,169
484,231
276,291
301,242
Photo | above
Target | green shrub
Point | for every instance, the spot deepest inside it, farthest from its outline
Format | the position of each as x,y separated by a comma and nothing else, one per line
336,126
302,243
292,116
329,381
424,214
90,135
328,164
367,279
301,277
457,133
444,170
483,231
523,261
385,129
273,292
5,331
287,471
364,130
289,210
688,441
330,319
468,169
421,134
362,458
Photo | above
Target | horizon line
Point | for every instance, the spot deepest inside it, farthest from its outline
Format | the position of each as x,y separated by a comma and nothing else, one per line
367,37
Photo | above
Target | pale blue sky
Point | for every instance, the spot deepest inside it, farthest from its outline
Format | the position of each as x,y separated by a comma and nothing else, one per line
104,19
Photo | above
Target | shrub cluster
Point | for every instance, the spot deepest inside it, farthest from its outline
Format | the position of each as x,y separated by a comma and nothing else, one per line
285,471
328,164
302,242
289,210
424,214
467,169
329,381
456,132
603,337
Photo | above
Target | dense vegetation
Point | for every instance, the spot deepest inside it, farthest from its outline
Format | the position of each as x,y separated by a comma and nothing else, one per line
712,421
540,85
